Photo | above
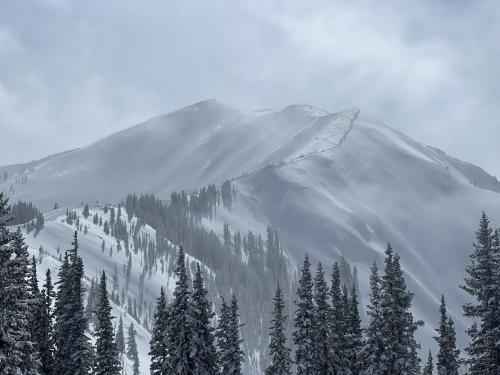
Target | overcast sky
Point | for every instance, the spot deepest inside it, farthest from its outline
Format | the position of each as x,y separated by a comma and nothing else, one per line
74,71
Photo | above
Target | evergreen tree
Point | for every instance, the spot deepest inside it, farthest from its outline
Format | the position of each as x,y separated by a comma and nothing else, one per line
354,337
179,330
86,212
120,338
448,361
45,346
229,340
203,353
398,327
73,352
373,348
107,362
338,344
321,346
278,349
17,354
303,335
429,367
41,322
483,283
222,335
158,347
132,352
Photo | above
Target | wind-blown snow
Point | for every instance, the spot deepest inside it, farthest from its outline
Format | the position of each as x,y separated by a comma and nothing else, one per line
331,184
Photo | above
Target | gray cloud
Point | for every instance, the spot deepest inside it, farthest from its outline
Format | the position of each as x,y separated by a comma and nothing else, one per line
71,72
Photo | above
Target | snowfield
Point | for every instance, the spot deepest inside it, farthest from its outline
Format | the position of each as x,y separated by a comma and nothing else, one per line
340,184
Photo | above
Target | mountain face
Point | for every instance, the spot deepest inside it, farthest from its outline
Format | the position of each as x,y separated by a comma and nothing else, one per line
331,184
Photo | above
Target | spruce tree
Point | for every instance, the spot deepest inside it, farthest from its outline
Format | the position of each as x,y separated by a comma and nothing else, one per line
120,338
17,353
303,334
338,345
158,348
429,367
132,352
354,338
179,330
278,349
107,362
203,353
222,335
323,364
483,284
448,361
73,352
398,327
373,348
41,322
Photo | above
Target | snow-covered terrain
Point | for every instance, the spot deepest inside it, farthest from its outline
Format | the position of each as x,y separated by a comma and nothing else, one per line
56,237
331,184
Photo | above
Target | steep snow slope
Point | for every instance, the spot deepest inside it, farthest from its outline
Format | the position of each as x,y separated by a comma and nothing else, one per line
379,186
56,236
332,184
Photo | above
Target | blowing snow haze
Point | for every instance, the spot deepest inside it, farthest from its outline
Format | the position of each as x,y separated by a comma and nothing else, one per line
311,236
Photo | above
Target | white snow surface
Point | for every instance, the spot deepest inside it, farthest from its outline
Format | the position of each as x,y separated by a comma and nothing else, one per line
331,183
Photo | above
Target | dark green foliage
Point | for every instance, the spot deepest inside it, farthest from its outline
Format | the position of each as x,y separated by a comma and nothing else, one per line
230,354
178,329
398,326
429,367
158,343
107,362
483,284
132,352
323,364
203,353
17,354
120,338
73,352
354,338
304,332
278,350
373,348
448,361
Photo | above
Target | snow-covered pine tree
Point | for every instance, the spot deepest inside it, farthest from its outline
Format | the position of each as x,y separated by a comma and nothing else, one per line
278,349
236,354
203,353
17,354
337,325
73,352
398,327
41,322
85,211
107,362
429,367
222,335
483,283
373,348
448,361
303,335
179,330
354,337
158,348
132,352
46,346
120,338
322,313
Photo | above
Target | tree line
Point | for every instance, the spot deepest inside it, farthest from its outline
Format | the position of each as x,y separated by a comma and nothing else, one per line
43,331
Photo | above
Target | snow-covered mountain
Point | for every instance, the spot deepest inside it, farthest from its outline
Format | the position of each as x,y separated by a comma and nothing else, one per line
332,184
